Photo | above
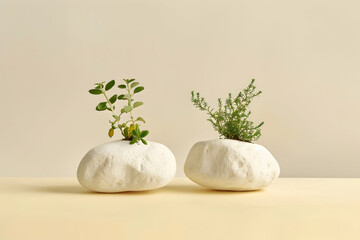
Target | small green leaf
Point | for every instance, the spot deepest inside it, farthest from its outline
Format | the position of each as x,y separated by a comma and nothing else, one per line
126,109
122,86
117,118
140,119
113,99
134,140
121,96
126,132
131,80
144,133
143,141
134,84
101,106
137,129
95,91
137,104
99,85
126,97
109,85
138,89
135,134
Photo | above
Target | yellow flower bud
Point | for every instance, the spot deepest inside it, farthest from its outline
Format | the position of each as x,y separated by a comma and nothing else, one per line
131,128
111,132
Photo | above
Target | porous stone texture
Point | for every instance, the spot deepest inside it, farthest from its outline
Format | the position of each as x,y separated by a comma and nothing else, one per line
118,166
226,164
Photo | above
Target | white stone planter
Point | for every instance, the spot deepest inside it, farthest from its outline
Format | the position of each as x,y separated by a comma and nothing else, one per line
225,164
118,167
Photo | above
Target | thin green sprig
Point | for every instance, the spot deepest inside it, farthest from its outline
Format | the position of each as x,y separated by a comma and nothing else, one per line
231,119
130,129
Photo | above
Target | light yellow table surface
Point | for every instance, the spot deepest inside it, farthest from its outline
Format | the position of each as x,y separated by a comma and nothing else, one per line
59,208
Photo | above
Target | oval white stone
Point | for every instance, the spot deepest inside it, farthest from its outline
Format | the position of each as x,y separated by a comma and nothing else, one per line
226,164
118,166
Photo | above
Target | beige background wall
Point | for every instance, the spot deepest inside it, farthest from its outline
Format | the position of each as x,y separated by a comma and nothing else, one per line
305,56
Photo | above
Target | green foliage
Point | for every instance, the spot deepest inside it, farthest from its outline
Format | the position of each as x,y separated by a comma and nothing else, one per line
113,99
101,106
95,91
138,89
231,119
130,129
109,85
139,135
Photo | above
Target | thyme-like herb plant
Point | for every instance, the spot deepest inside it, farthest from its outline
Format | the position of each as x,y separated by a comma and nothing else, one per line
130,129
231,119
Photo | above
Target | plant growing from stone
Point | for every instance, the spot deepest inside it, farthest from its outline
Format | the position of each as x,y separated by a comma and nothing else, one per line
231,119
130,129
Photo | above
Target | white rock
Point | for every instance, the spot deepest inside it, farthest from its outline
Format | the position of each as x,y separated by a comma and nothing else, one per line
118,167
225,164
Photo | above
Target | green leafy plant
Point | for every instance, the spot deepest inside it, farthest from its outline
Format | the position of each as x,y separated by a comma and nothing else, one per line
130,129
231,119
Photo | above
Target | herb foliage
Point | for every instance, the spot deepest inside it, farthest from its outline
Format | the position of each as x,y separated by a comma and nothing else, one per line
130,129
231,119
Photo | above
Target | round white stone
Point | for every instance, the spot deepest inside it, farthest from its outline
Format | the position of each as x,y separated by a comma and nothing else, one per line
118,167
226,164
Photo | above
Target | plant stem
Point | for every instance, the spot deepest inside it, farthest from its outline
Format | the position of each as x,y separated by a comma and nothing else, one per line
111,107
107,99
129,103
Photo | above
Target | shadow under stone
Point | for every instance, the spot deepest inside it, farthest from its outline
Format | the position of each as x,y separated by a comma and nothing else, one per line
170,189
